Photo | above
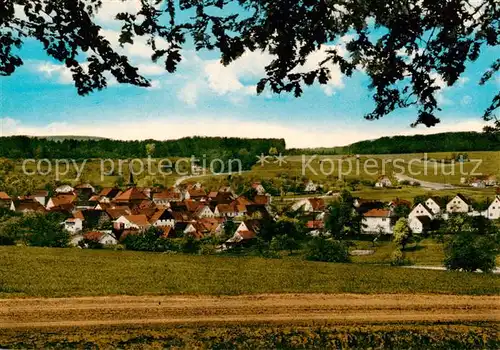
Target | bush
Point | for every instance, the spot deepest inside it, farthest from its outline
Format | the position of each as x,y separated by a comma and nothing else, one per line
398,258
45,230
6,240
470,252
327,250
190,245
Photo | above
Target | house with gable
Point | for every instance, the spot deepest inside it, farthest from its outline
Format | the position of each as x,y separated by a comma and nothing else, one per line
421,210
434,204
420,224
137,222
73,225
27,206
309,205
131,196
383,181
459,204
5,200
257,186
377,220
61,200
493,212
64,189
310,186
162,217
247,230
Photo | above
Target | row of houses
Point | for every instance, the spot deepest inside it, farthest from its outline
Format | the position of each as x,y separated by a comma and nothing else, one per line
421,215
379,217
112,214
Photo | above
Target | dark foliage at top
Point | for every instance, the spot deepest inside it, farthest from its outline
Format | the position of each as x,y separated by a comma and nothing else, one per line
222,147
403,46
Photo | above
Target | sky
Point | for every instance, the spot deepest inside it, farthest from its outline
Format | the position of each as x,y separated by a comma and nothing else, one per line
205,98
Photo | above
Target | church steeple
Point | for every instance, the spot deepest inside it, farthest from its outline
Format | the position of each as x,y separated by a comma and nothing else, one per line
131,182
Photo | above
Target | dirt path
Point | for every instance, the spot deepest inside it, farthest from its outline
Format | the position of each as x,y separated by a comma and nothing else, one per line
425,184
282,308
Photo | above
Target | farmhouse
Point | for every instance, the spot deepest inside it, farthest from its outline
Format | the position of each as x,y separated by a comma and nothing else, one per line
247,230
419,224
459,204
309,205
126,222
421,210
162,217
61,200
64,189
493,211
434,204
73,225
383,181
377,220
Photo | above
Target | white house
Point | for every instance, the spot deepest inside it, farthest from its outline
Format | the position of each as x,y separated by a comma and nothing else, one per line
138,222
433,205
247,230
162,217
459,204
377,220
493,211
309,205
421,210
419,224
310,186
73,225
64,189
204,211
257,186
383,181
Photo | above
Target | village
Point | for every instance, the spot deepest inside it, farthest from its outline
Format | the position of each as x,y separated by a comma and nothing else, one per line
108,216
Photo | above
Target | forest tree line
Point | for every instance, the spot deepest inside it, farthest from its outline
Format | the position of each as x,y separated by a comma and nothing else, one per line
24,147
443,142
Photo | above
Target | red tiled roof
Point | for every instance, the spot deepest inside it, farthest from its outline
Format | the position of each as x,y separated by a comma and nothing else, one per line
93,235
381,213
63,199
132,194
247,234
78,215
4,196
261,199
315,224
139,220
317,203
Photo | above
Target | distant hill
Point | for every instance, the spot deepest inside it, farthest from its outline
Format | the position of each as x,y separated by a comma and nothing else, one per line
70,137
442,142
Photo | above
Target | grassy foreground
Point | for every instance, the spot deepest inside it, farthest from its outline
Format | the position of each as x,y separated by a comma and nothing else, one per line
311,336
51,272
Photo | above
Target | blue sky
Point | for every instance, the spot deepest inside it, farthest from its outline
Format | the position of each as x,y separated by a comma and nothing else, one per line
205,98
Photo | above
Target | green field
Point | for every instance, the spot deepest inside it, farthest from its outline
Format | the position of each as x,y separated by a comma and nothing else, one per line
51,272
255,336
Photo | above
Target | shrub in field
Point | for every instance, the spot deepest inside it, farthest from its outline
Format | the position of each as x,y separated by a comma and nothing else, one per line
190,245
470,252
328,250
402,233
284,242
398,258
148,241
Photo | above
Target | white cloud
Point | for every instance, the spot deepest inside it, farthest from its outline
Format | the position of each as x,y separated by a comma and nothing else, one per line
60,72
110,8
189,93
296,135
466,100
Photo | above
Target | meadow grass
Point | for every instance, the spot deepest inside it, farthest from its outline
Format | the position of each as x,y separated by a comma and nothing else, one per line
52,272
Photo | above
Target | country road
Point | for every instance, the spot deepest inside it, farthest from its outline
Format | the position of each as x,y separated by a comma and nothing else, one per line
281,308
181,179
425,184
